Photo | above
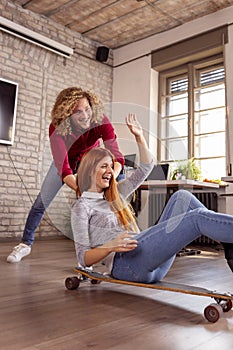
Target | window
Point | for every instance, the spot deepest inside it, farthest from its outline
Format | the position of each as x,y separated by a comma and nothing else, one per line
192,115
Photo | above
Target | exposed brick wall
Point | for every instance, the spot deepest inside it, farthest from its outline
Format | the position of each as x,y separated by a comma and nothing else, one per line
40,74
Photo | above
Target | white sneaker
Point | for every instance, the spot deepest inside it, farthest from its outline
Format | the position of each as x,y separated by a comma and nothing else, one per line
18,253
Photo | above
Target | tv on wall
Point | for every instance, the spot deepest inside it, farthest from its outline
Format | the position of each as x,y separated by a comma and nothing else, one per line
8,106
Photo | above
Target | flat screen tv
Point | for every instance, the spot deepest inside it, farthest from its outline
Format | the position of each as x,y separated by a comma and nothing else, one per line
8,106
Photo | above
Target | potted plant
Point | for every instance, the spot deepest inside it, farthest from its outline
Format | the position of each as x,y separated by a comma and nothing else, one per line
187,170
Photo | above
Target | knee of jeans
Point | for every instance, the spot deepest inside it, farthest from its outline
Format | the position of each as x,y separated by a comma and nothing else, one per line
184,193
180,194
38,204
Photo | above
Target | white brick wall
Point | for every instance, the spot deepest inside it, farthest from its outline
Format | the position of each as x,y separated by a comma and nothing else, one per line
41,75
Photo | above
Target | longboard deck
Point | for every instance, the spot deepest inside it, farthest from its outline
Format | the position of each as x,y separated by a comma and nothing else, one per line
212,312
168,286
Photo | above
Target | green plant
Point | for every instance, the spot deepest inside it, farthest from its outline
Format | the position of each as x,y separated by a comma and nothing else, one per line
189,169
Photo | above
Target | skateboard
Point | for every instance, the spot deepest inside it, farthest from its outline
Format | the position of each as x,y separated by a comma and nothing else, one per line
212,313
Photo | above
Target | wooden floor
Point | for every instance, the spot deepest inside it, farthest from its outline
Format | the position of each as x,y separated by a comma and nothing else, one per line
37,312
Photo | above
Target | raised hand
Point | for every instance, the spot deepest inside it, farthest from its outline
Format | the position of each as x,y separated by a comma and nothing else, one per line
136,129
134,125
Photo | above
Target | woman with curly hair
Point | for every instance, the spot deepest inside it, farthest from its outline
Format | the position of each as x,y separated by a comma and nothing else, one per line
78,123
105,230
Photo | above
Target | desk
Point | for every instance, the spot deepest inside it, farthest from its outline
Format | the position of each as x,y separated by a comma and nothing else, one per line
159,191
168,187
174,185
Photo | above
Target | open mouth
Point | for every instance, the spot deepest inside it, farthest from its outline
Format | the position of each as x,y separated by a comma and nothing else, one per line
107,178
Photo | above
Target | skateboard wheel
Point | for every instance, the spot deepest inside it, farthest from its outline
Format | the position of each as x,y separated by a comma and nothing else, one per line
95,282
227,306
72,283
213,312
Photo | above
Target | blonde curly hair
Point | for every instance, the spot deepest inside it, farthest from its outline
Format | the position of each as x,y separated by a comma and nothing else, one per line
65,103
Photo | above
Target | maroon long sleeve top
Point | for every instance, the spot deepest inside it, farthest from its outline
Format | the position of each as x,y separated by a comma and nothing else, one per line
68,150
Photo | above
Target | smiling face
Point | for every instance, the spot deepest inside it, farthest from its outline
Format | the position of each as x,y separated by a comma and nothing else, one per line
102,175
82,114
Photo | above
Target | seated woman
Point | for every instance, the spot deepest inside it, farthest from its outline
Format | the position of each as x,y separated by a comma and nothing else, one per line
105,230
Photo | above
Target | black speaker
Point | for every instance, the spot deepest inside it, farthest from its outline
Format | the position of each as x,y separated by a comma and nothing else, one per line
102,53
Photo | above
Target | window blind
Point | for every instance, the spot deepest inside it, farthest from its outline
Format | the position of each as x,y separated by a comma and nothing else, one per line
213,76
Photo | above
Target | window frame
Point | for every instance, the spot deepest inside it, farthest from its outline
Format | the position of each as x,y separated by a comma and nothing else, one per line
191,70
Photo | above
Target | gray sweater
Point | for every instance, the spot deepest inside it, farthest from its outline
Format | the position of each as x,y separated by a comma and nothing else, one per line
94,223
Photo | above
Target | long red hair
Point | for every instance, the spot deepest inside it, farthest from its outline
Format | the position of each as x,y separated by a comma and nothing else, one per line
121,208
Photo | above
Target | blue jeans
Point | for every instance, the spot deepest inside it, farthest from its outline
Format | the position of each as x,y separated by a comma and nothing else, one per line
183,220
50,187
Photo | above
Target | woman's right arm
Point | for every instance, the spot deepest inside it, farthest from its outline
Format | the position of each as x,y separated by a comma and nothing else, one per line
124,242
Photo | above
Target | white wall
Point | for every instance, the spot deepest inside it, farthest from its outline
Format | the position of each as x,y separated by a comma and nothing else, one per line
131,95
133,85
134,81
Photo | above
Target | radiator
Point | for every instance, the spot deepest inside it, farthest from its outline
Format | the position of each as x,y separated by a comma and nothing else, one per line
157,202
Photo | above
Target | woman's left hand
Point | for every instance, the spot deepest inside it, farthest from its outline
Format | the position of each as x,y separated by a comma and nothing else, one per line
134,125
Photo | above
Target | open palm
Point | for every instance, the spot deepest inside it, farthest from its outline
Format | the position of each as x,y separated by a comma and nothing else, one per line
133,124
